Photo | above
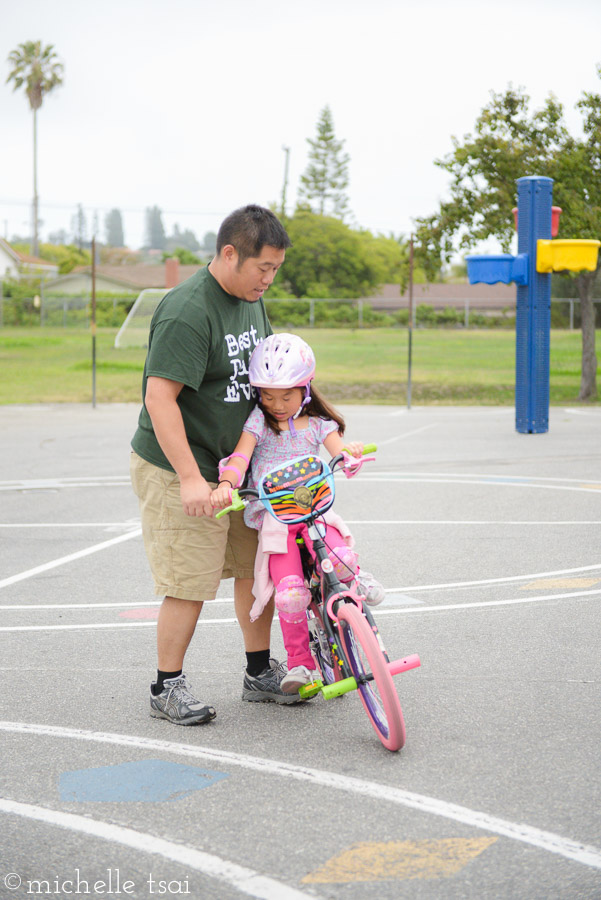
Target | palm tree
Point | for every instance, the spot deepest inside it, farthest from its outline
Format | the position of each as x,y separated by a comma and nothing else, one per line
39,70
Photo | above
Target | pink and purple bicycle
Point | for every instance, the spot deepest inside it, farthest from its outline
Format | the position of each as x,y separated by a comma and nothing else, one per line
344,638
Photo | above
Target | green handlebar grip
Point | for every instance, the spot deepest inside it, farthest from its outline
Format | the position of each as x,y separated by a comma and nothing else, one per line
338,688
236,505
368,448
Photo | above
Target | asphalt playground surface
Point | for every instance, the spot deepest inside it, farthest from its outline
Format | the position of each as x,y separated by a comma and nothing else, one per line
487,542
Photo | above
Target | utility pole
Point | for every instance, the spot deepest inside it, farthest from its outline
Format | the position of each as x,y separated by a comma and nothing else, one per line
410,323
93,322
285,185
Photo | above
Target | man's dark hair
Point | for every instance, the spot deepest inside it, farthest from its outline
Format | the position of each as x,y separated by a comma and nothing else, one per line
251,228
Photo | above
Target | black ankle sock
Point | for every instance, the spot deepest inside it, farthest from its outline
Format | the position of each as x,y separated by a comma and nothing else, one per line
257,661
157,686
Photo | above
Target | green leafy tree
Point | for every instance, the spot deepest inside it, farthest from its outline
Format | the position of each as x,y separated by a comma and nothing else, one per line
155,231
185,256
113,226
39,71
388,258
509,142
67,256
330,259
325,179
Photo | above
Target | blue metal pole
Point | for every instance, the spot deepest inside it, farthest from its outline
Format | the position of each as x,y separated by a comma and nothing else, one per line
533,315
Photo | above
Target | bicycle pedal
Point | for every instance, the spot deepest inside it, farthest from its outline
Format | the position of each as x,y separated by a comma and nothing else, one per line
311,689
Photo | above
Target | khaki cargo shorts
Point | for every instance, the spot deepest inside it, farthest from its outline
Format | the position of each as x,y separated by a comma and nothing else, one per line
188,556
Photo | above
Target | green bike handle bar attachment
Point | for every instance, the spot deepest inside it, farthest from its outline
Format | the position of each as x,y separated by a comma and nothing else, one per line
338,688
236,505
369,448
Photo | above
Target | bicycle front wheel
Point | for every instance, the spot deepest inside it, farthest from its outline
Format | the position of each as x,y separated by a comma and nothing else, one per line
370,668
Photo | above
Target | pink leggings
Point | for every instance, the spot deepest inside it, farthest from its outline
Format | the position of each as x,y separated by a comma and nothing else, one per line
281,565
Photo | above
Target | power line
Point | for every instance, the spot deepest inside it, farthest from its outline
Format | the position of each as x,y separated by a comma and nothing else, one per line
101,208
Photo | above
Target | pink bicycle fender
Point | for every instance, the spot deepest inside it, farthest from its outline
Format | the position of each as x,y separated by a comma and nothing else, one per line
348,593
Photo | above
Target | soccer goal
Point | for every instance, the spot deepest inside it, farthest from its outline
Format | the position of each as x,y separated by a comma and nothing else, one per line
134,331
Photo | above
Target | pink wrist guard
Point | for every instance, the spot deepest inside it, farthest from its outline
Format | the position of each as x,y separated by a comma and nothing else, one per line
233,469
223,467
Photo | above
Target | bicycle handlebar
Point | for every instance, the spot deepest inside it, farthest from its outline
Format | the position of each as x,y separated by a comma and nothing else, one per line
238,503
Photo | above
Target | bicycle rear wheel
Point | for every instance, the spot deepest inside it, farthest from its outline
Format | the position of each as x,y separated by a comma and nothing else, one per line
378,694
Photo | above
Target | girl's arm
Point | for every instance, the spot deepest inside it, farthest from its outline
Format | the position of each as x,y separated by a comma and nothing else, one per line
334,445
228,479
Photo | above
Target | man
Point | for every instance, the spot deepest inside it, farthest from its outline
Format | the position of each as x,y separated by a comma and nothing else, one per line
196,400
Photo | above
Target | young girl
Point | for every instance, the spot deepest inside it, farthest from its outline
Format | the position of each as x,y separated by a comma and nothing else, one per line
292,419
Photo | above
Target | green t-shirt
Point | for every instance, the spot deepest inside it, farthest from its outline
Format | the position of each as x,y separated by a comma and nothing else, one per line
203,337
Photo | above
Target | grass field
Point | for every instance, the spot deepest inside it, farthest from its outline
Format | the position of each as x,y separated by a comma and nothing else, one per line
53,365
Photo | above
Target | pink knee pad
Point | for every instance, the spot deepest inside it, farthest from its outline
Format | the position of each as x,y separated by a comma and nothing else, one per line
292,598
345,562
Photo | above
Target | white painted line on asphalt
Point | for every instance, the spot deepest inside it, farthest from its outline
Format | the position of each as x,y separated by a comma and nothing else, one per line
70,558
381,612
446,522
247,881
444,412
125,605
595,414
544,840
491,481
504,580
488,522
69,525
406,434
410,589
483,604
96,625
491,477
55,484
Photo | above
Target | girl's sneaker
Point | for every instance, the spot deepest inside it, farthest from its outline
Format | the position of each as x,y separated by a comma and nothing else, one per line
298,676
369,588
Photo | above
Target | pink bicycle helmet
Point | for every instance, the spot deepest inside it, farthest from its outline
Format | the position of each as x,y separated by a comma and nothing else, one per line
281,361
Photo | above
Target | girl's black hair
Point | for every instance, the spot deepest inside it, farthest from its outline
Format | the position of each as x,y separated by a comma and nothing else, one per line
317,406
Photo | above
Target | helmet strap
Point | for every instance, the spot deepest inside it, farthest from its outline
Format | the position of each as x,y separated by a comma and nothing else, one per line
306,400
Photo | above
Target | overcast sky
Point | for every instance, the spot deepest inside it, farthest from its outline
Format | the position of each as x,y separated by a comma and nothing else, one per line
187,104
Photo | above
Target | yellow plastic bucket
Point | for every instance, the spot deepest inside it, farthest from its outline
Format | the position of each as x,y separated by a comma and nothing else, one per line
574,255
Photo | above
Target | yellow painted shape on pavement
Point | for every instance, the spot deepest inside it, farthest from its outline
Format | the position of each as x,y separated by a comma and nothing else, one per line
544,584
398,860
591,487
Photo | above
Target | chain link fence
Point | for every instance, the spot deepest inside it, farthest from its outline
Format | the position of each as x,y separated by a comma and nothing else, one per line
71,311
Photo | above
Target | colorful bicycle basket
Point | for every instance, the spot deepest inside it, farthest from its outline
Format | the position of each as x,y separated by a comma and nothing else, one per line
297,489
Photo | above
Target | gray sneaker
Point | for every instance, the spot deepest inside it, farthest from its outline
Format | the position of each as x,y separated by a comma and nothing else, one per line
266,687
369,588
176,704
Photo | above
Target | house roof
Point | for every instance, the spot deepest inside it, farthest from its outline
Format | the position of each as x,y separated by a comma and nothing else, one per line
492,296
8,249
136,277
24,259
